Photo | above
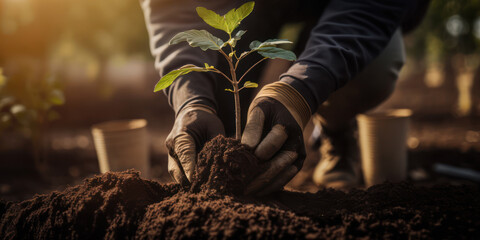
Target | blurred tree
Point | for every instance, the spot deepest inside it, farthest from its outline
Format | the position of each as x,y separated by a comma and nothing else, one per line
447,44
39,38
105,28
94,31
26,105
448,29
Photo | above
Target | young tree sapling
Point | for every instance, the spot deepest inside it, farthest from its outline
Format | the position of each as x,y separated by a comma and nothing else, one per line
206,41
27,106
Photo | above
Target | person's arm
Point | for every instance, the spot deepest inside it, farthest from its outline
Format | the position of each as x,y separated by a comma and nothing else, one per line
191,96
164,19
348,36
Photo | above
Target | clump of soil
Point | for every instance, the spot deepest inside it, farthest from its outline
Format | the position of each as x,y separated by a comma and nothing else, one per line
224,165
123,205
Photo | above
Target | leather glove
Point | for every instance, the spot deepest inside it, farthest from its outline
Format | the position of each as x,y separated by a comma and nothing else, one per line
274,128
194,126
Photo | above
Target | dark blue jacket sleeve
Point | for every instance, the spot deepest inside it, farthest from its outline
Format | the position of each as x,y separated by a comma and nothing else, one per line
348,36
164,19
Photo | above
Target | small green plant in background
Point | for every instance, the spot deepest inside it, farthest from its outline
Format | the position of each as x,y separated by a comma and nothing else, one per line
206,41
27,106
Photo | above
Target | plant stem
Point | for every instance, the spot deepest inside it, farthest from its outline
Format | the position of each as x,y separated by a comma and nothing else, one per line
236,94
241,57
223,74
238,122
261,60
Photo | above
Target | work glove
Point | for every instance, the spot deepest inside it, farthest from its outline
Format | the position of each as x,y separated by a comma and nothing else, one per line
274,128
194,126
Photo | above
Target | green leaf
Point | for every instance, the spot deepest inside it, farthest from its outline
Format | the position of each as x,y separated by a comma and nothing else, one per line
212,18
235,16
243,54
249,84
228,90
229,21
168,79
274,42
209,67
268,49
255,45
238,36
274,52
198,38
56,97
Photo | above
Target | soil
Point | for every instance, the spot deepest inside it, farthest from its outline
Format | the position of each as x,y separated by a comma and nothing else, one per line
224,165
123,205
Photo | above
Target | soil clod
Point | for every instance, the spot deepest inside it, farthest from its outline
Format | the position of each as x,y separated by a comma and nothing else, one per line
224,165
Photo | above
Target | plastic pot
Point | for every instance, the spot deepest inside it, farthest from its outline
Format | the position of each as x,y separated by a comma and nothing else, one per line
382,137
122,145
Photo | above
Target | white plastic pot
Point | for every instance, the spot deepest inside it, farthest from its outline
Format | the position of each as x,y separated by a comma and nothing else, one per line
122,145
383,137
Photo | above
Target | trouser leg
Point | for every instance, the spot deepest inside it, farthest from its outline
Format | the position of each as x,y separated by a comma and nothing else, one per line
339,166
367,90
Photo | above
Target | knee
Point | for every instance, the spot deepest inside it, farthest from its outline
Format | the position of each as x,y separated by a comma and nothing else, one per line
380,76
385,82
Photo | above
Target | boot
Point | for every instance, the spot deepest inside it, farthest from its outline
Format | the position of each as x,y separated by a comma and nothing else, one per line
339,166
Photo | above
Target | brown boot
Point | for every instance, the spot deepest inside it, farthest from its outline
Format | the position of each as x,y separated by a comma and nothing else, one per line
339,166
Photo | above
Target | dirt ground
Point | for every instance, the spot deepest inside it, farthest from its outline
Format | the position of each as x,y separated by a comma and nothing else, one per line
427,205
451,140
123,205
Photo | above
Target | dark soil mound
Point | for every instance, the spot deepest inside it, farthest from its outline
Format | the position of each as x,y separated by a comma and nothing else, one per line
224,165
107,206
122,205
211,216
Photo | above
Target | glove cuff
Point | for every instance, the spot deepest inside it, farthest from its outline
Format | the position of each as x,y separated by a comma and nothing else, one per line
290,98
197,107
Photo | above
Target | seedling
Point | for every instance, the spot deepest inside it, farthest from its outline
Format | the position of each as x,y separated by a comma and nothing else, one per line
27,106
206,41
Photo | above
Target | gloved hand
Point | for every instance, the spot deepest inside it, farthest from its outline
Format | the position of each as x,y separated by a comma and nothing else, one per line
193,127
275,123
